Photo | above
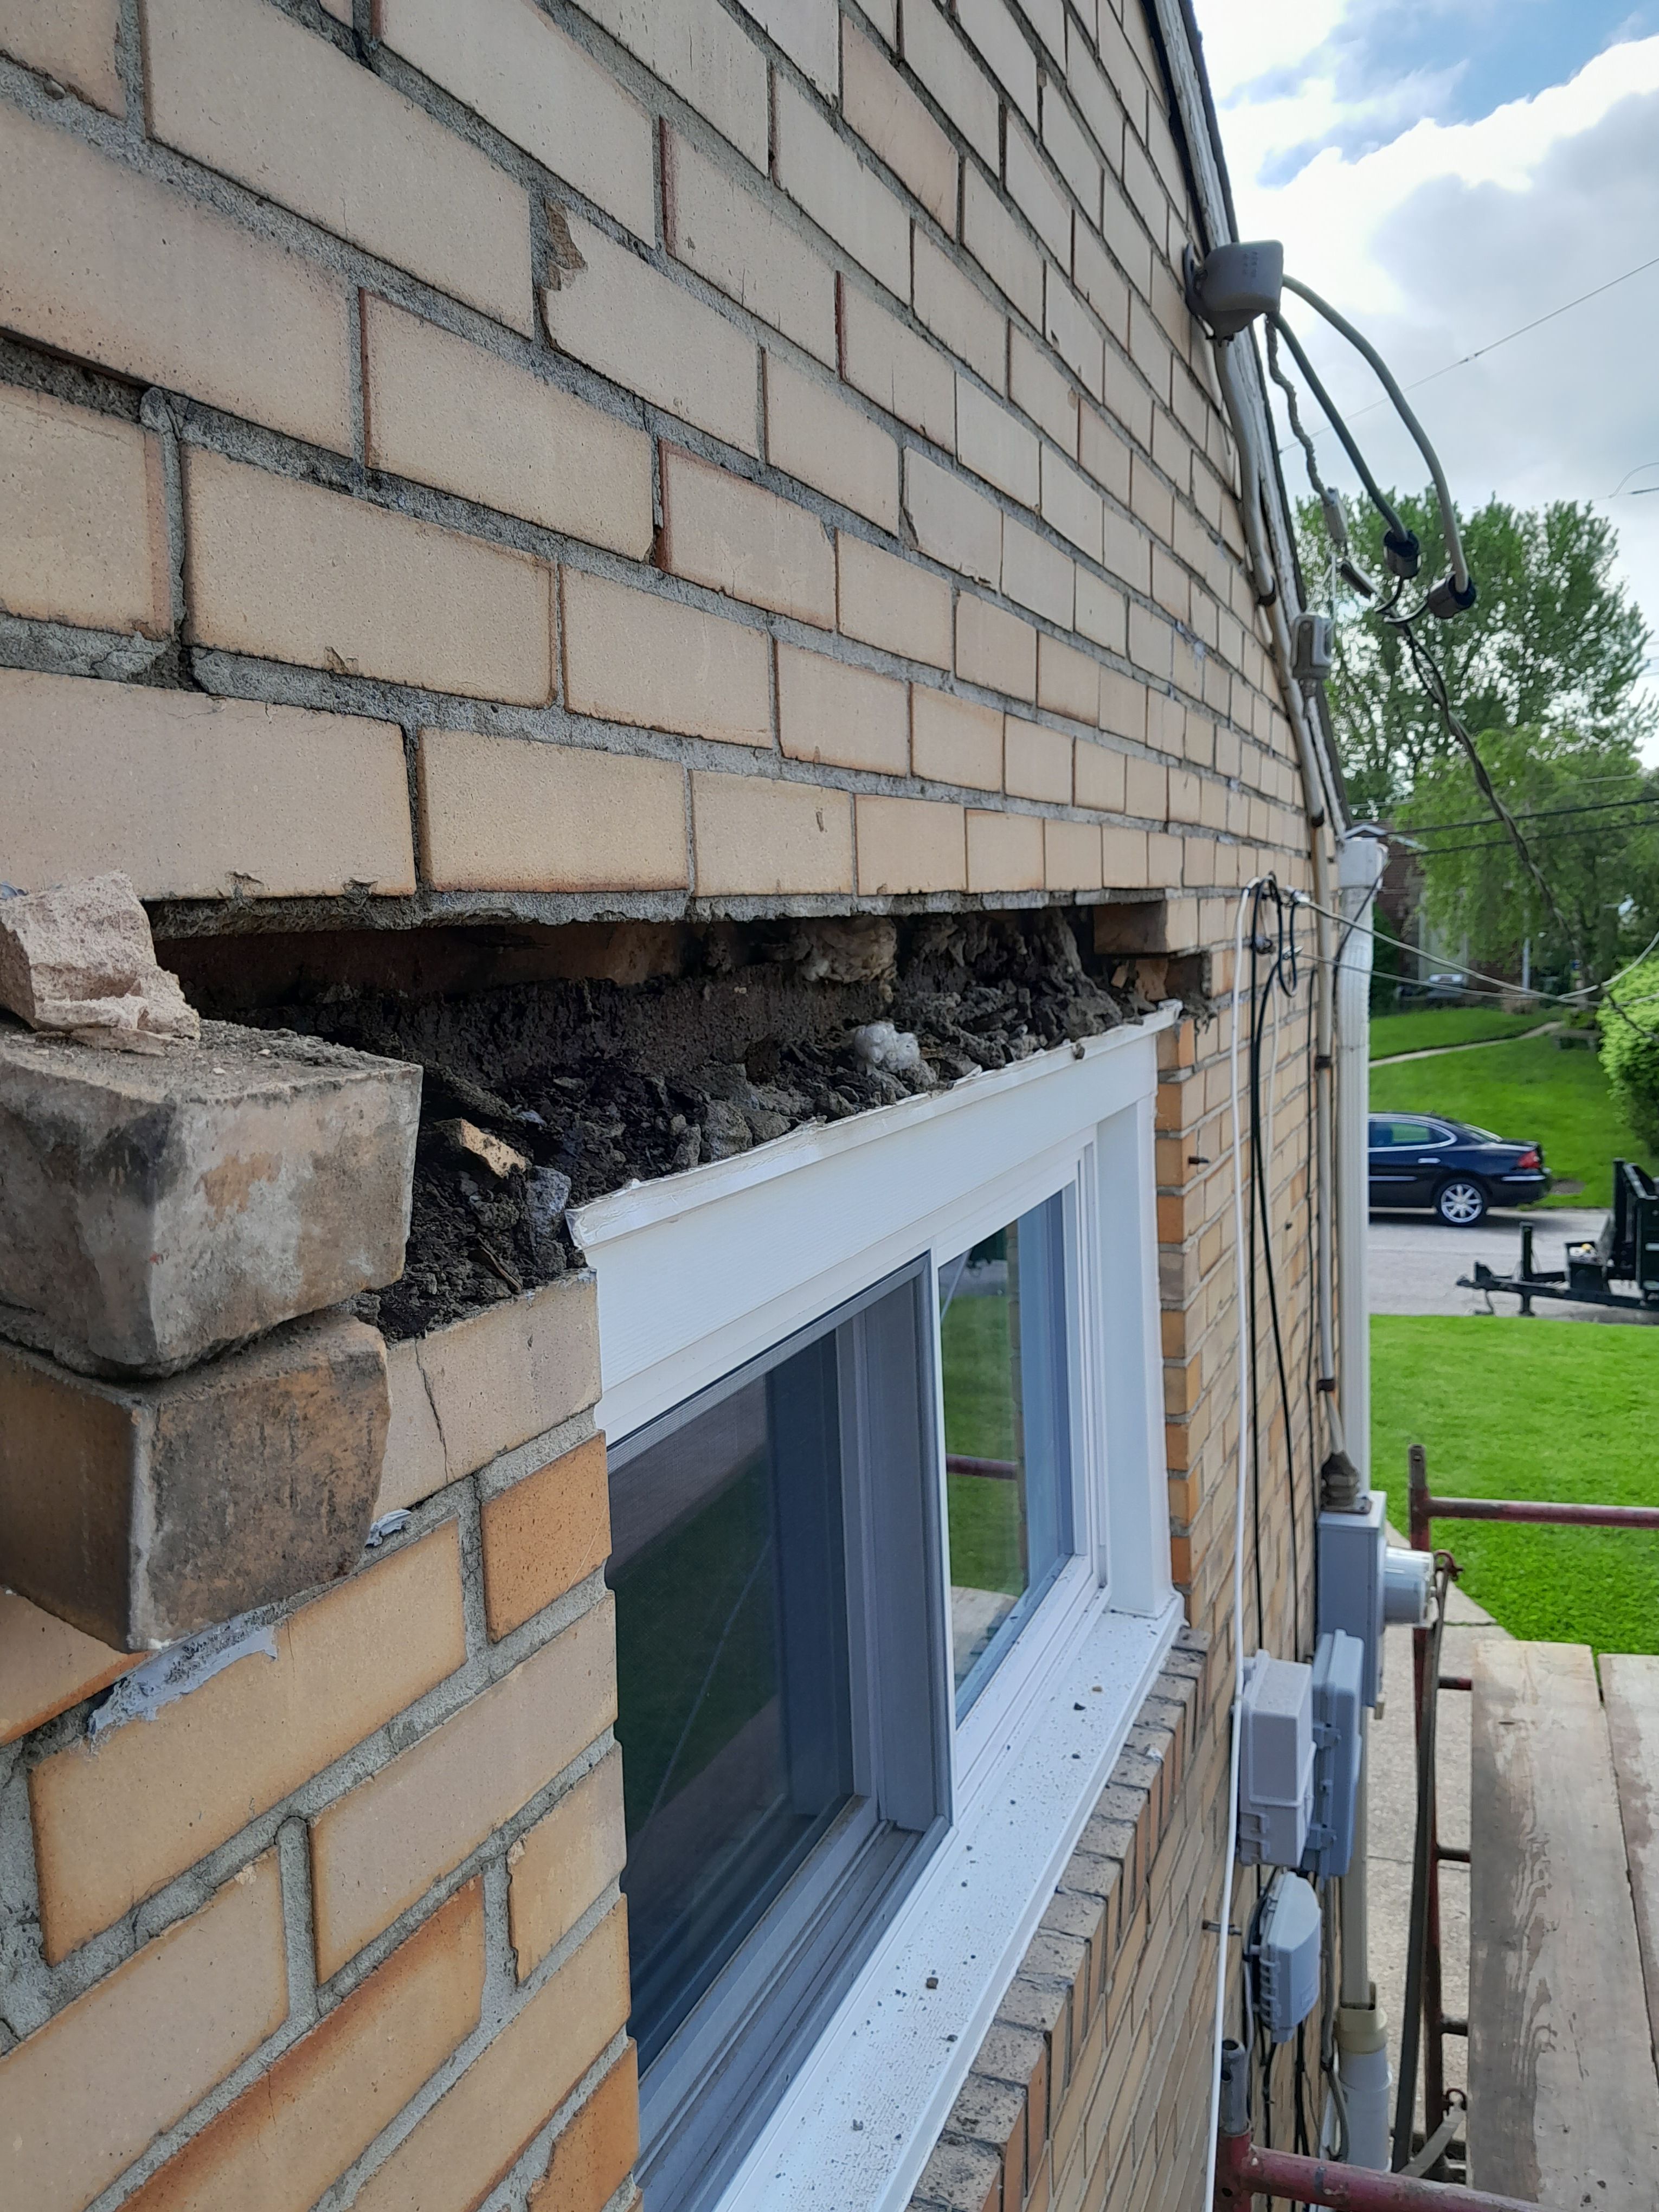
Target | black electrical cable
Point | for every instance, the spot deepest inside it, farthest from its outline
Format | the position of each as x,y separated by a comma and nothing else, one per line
1252,1412
1373,491
1281,976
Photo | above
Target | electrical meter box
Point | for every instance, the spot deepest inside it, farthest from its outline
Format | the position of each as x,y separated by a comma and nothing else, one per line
1275,1761
1350,1582
1339,1675
1284,1953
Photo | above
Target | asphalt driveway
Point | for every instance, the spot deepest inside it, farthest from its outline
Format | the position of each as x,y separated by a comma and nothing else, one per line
1413,1261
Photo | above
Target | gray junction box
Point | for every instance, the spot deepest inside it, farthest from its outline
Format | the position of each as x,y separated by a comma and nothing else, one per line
1350,1583
1339,1669
1275,1761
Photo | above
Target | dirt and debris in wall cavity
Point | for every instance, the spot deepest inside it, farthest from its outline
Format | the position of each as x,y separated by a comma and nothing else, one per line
542,1094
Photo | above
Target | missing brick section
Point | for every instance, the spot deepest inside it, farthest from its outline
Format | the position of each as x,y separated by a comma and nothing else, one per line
563,1064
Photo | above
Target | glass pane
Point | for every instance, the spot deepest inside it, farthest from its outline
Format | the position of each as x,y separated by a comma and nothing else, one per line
729,1572
1002,1350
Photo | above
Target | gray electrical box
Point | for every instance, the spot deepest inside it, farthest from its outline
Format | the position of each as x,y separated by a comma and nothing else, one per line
1310,648
1351,1548
1339,1675
1285,1956
1236,282
1275,1761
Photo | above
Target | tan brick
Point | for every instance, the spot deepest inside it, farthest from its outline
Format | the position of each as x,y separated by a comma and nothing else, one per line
1146,788
47,1666
894,124
1098,774
823,174
897,367
1036,574
1128,550
1070,150
593,2157
1071,856
379,1848
107,267
544,1535
413,1468
194,797
1073,333
756,835
473,2134
956,524
734,238
992,28
1038,761
812,433
1122,704
1068,682
642,658
1038,385
447,413
112,1826
831,710
1033,191
508,62
1103,612
512,1372
992,442
892,603
806,29
1000,245
1105,454
284,2139
290,572
955,740
651,336
86,540
995,648
909,845
1100,282
560,1865
1005,852
956,311
702,52
72,40
737,537
1071,504
514,814
1125,861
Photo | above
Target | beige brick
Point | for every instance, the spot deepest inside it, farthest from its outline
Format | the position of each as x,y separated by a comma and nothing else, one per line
992,29
1146,788
1105,454
514,814
956,311
1036,574
892,603
377,1850
956,524
702,52
734,238
1033,191
936,53
595,2155
754,834
47,1666
86,540
1122,705
896,367
72,40
1071,856
1098,773
995,648
806,29
255,95
284,2139
651,336
112,1826
414,1464
823,174
1005,852
894,124
642,658
567,1859
992,442
510,63
1124,862
1038,385
955,740
504,1376
291,572
812,433
107,267
1037,761
832,710
909,845
1000,245
473,2134
1103,612
737,537
1068,682
194,797
1128,551
1100,283
543,1534
1071,504
1073,333
83,2095
1069,148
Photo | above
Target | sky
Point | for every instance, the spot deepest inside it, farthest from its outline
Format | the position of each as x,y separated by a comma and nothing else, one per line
1444,171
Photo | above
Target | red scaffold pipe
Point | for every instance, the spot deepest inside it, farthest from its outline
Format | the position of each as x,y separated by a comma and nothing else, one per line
1243,2173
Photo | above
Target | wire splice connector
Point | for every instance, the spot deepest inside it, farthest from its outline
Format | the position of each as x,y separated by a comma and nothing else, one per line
1402,552
1446,602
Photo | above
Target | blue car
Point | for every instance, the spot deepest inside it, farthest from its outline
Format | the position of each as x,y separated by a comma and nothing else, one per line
1450,1167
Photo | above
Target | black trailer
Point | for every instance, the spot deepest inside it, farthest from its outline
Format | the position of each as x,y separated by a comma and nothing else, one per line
1627,1251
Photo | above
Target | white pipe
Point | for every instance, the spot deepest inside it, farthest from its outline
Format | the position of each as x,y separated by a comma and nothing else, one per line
1359,869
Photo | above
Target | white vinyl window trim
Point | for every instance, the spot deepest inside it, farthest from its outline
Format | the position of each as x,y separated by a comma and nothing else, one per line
700,1273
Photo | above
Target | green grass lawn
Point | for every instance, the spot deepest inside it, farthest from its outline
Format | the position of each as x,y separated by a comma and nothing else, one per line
1507,1408
979,1422
1425,1028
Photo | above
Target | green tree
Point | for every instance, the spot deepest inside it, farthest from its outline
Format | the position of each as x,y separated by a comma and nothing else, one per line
1630,1049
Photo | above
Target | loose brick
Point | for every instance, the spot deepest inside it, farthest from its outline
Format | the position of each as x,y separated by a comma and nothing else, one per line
812,433
291,572
47,1666
508,62
413,1468
1071,504
1068,682
909,845
894,124
512,1372
1038,761
733,536
284,2140
754,835
544,1535
992,442
643,658
651,336
443,412
892,603
596,2153
378,1849
83,2095
702,51
956,524
87,536
994,30
473,2134
252,94
832,710
1071,856
1005,852
734,237
560,1865
995,648
106,266
1036,574
197,798
1098,775
956,311
514,814
955,740
823,174
112,1826
72,40
896,367
939,58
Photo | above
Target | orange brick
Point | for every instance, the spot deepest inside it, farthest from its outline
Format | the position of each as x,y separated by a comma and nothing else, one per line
510,1373
86,535
734,238
955,740
894,124
72,40
956,524
513,814
47,1666
113,1826
812,433
544,1535
593,2157
995,648
900,370
892,603
834,710
104,266
377,1850
83,2095
643,658
737,537
252,94
561,1864
1005,852
1037,761
822,174
910,845
756,835
284,2140
290,572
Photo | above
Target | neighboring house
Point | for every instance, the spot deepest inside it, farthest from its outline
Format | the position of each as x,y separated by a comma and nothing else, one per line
716,522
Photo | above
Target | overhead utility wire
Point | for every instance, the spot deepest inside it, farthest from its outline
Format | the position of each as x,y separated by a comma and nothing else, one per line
1536,813
1546,836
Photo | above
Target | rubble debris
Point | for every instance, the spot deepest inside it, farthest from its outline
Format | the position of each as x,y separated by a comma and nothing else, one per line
79,959
879,1044
475,1143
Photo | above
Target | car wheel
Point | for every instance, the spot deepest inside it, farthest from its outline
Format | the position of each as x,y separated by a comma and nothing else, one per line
1460,1202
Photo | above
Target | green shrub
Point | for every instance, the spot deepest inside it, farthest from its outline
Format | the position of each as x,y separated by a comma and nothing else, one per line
1630,1049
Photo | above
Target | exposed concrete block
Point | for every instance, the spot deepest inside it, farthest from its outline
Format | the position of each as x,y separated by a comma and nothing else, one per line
140,1511
153,1211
